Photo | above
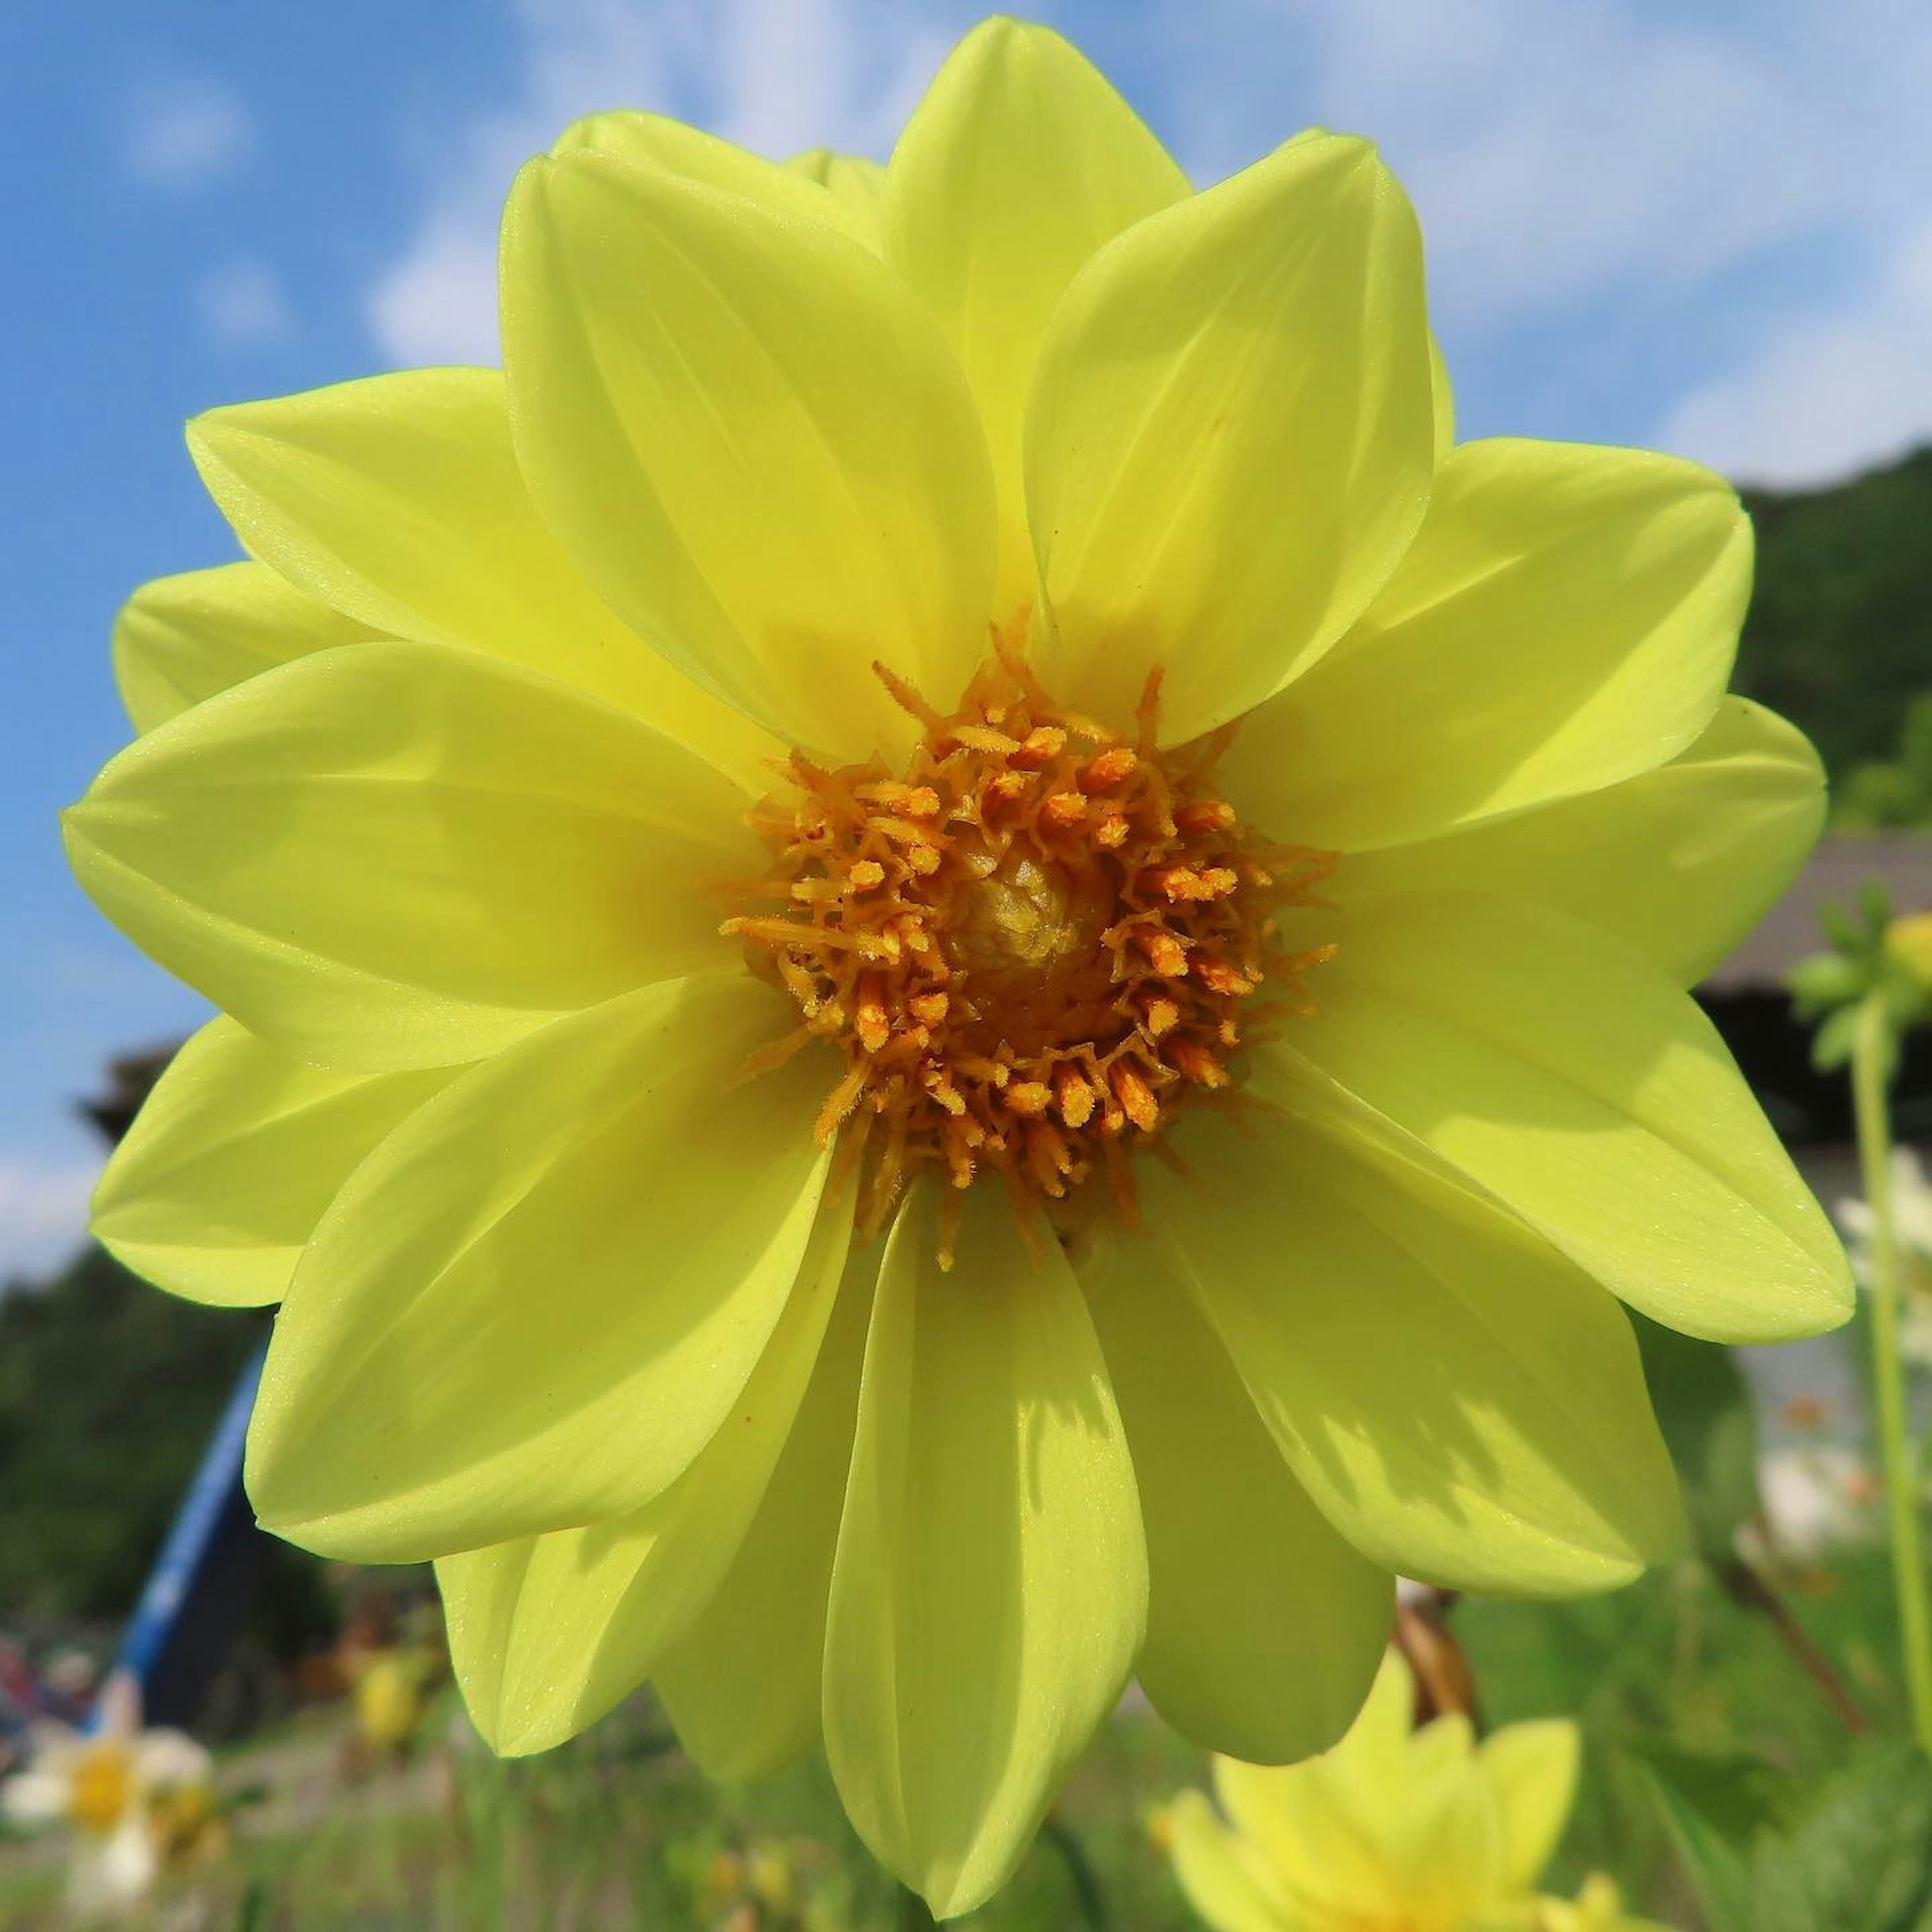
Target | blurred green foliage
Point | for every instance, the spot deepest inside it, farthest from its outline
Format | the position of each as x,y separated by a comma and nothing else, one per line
1840,634
108,1391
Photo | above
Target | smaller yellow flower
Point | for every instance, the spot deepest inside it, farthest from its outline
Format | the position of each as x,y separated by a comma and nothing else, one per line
1395,1830
1598,1907
392,1697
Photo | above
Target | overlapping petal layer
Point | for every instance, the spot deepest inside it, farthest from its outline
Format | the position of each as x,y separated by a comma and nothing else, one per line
1019,162
1247,1581
397,501
398,855
547,1634
858,181
1225,1882
656,143
1461,1403
990,1589
1230,436
1567,618
1532,1768
743,1684
1680,862
181,639
1569,1077
1392,1828
537,1302
217,1187
752,439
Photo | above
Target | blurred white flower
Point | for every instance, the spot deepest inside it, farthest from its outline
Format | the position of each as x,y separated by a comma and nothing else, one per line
1912,1215
131,1799
1816,1497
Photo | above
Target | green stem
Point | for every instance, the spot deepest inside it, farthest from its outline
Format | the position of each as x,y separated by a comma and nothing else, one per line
1869,1056
1080,1872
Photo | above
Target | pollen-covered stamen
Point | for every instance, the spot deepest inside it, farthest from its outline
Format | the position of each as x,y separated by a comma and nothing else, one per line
1030,946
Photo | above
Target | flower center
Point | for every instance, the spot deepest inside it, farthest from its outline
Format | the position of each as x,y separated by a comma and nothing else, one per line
1032,946
102,1787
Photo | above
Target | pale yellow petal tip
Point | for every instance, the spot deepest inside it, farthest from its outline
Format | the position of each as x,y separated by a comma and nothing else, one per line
587,132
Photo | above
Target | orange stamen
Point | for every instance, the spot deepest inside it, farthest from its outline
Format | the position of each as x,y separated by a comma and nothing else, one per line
1033,937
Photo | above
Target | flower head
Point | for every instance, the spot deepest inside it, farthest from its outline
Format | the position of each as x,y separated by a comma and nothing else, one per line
135,1803
1392,1831
949,967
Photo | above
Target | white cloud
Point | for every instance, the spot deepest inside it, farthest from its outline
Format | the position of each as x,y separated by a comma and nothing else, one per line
774,75
1556,151
1601,164
42,1216
242,303
186,135
1830,391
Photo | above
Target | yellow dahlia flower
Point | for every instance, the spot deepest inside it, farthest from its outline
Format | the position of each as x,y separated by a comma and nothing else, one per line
1392,1831
949,967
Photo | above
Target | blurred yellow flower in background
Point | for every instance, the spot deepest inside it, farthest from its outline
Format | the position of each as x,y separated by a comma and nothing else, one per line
1394,1830
1197,1044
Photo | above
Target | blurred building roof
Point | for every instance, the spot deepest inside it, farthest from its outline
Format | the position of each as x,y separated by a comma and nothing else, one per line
1901,861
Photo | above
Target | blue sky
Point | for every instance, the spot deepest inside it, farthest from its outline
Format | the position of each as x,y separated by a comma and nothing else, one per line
1706,225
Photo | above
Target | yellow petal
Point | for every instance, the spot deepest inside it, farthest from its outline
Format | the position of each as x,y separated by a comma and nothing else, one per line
1373,1760
803,193
396,855
754,441
1264,1628
1225,1882
1328,1853
743,1684
990,1590
1416,1844
1680,862
1228,438
1461,1403
219,1184
1019,162
548,1634
1566,1075
1532,1768
857,182
1567,618
1443,398
181,639
535,1303
397,501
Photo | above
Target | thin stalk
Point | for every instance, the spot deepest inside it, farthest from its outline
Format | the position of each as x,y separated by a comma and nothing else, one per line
1080,1872
1869,1055
1743,1585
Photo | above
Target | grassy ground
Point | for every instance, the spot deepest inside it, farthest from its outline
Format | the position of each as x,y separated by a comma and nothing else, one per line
618,1831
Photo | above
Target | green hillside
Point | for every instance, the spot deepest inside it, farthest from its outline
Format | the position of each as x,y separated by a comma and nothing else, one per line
1840,634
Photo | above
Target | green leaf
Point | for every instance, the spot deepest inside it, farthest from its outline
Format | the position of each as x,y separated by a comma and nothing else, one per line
1714,1809
1839,929
1768,1852
1825,980
1861,1859
1832,1045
